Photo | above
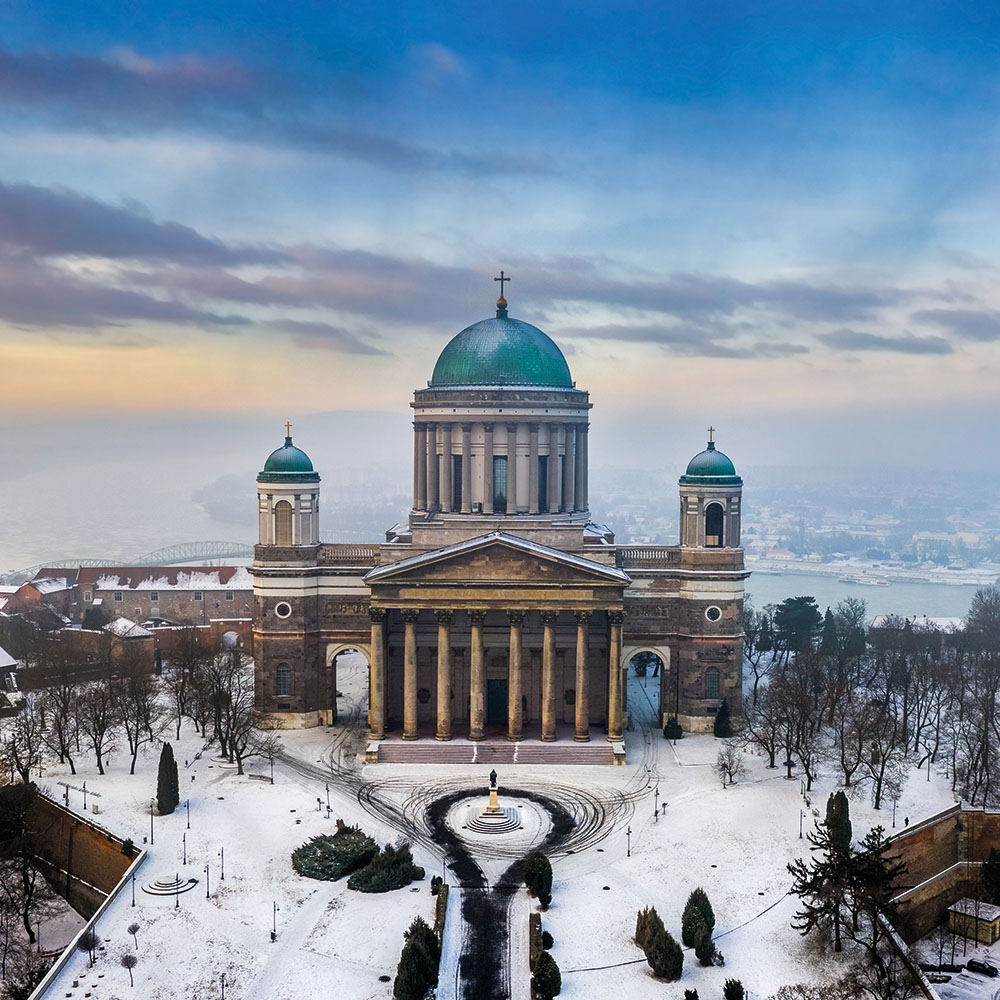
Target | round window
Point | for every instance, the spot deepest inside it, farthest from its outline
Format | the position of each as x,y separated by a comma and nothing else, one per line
713,614
283,609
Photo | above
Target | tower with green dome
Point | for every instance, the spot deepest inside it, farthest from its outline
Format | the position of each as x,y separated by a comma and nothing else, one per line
711,495
288,498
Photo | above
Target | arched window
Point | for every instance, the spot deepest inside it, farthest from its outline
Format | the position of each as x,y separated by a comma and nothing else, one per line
282,523
713,525
282,680
712,683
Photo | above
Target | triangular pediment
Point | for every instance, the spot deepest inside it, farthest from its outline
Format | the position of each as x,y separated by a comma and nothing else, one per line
501,558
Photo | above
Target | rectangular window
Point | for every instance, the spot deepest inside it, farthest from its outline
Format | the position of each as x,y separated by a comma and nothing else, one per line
456,482
499,484
88,595
197,595
118,595
229,595
154,595
543,482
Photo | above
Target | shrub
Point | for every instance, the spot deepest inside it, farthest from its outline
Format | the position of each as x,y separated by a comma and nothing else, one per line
704,946
417,970
436,883
546,981
128,847
733,990
672,730
332,856
697,903
664,955
723,727
168,794
647,921
690,995
547,941
391,869
538,877
691,922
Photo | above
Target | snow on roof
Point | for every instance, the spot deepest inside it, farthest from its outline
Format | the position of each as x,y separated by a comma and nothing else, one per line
50,585
126,629
974,908
167,578
9,589
6,660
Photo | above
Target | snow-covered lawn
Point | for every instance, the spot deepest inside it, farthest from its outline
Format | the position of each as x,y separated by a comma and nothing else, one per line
734,843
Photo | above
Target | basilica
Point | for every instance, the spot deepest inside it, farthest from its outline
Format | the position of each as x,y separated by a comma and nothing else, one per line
500,609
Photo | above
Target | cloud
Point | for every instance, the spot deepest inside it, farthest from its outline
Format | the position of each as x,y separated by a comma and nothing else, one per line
858,340
969,324
61,222
326,336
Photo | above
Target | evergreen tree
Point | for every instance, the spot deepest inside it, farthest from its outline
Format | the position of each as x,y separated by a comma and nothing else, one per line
824,884
664,954
875,874
704,946
546,981
733,990
990,875
168,793
723,727
691,923
538,877
699,899
829,644
796,622
417,971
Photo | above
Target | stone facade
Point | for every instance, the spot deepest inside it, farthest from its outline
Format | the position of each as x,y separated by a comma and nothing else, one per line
499,607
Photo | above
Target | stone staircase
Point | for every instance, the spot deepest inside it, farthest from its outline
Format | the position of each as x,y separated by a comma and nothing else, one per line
492,752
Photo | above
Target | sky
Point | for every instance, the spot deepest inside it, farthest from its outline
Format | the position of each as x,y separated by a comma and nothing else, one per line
778,218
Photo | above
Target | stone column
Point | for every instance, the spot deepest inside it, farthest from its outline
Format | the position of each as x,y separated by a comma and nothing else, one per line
555,479
446,465
477,685
419,466
512,468
533,469
582,432
410,674
549,675
515,717
616,619
444,676
466,468
376,676
582,729
433,500
487,468
569,470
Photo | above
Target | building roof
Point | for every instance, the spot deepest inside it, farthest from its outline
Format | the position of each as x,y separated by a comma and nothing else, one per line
973,908
288,463
126,629
166,578
502,351
711,468
67,573
6,660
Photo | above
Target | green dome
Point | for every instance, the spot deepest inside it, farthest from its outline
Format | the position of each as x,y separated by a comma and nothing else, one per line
288,462
502,351
711,468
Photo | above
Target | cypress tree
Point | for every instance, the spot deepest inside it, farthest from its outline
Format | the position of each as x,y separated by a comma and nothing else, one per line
168,794
723,727
538,877
546,980
733,990
704,946
417,970
990,874
829,642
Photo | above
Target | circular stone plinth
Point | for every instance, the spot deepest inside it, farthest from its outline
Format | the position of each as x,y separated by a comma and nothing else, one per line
169,886
482,821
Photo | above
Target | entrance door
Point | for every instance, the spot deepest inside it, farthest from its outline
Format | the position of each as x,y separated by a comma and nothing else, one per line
496,700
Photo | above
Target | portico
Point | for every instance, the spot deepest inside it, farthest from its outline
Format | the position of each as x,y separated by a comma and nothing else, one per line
456,629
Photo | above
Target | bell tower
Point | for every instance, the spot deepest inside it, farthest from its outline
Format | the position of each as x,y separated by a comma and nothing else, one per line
288,498
711,495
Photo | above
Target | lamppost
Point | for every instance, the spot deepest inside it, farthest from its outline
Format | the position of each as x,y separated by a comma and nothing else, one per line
801,816
223,986
184,842
206,880
274,921
656,803
222,855
328,796
151,803
133,889
177,891
628,842
188,806
272,769
894,814
84,796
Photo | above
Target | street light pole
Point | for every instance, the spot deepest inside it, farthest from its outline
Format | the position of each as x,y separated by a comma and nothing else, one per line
628,842
151,801
223,986
801,815
133,889
188,805
272,769
222,855
274,921
184,842
207,876
177,891
656,803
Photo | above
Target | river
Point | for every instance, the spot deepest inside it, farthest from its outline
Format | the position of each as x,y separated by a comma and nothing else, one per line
936,600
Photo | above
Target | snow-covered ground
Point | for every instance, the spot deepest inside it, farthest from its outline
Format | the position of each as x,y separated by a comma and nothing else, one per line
734,842
964,985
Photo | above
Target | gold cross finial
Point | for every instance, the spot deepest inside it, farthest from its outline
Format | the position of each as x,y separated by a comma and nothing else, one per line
711,431
501,279
288,429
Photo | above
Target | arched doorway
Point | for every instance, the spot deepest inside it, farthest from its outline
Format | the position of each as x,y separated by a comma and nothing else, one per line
348,667
646,669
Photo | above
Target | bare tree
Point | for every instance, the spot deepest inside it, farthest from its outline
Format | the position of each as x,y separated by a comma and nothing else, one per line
188,655
99,719
764,725
23,741
729,764
239,725
129,961
136,701
59,701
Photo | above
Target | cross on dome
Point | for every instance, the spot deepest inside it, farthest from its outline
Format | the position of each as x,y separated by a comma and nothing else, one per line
711,431
288,429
